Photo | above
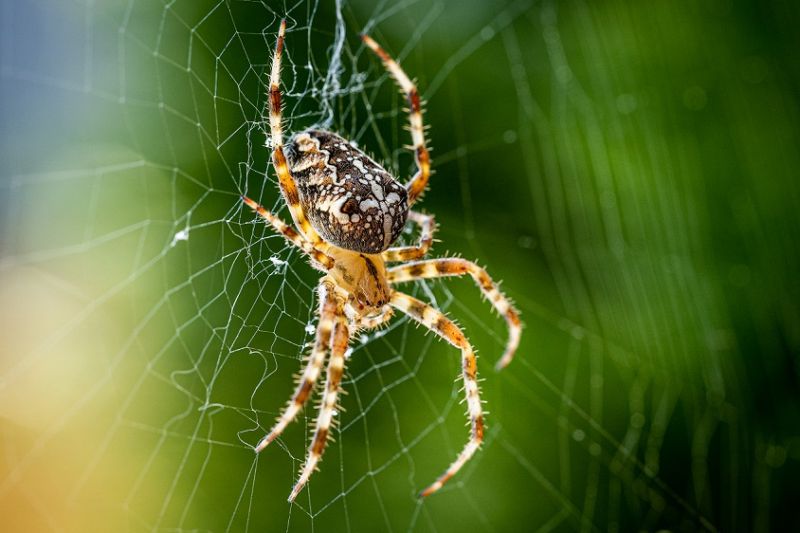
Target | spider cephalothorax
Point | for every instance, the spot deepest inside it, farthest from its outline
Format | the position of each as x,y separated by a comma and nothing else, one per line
347,212
350,199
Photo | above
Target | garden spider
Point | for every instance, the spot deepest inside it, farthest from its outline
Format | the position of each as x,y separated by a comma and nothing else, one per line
347,212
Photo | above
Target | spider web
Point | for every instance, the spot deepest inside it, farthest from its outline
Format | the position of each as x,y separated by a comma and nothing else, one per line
152,325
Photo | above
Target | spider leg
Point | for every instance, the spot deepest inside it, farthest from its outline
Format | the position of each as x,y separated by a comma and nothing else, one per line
376,321
291,235
407,253
437,268
327,312
437,322
418,183
285,180
341,339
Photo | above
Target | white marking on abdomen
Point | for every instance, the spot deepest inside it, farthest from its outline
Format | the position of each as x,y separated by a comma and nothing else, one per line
336,209
367,204
377,190
387,230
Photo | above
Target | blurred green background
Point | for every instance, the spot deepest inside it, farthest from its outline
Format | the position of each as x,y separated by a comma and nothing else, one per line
628,169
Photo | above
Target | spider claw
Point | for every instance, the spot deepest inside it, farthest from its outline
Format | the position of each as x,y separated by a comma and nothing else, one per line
263,443
271,436
311,466
433,487
503,362
293,495
252,204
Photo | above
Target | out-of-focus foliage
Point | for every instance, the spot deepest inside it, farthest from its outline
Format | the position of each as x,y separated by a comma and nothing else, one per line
628,168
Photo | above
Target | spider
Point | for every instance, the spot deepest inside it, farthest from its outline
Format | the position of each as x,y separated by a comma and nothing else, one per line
347,212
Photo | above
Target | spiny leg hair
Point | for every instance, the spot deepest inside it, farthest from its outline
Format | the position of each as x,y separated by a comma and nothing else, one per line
437,322
291,235
442,267
285,180
407,253
418,183
341,339
305,386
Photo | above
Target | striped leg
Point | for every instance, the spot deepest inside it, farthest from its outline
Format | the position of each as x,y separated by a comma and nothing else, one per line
407,253
420,180
285,180
341,338
327,314
291,235
435,321
436,268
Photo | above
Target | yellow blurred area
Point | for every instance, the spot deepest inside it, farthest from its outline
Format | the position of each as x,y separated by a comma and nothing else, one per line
54,410
69,371
34,389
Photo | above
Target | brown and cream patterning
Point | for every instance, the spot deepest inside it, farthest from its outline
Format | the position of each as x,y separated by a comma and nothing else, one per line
348,211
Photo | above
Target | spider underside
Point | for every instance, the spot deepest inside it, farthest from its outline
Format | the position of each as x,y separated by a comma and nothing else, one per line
347,212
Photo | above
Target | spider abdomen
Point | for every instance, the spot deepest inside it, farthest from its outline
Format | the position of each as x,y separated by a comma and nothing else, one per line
351,200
